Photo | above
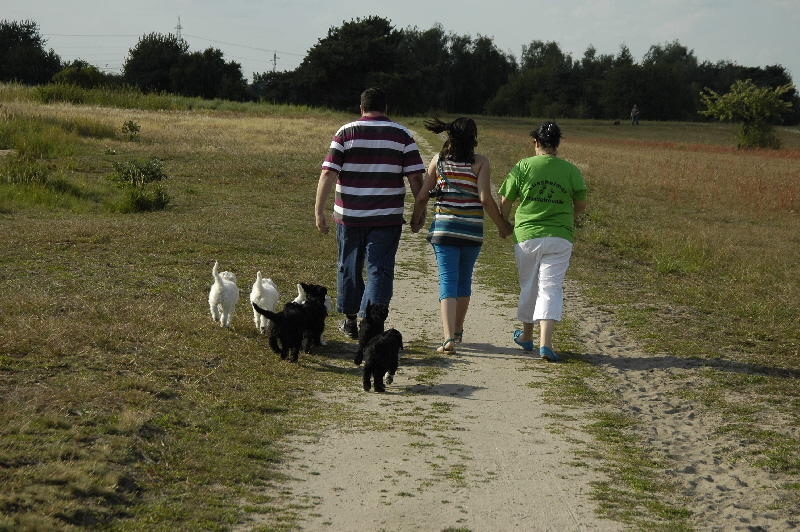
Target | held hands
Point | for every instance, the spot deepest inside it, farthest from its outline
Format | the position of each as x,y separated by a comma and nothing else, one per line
419,224
506,230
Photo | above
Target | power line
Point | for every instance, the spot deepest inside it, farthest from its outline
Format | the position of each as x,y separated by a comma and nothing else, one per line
185,34
241,46
79,35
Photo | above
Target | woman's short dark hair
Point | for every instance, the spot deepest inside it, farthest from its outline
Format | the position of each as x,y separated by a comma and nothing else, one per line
373,99
548,134
462,137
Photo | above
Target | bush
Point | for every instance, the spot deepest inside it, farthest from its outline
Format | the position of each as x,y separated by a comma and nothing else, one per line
137,174
140,200
131,129
134,176
60,92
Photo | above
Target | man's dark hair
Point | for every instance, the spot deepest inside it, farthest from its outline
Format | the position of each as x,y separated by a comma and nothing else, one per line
373,99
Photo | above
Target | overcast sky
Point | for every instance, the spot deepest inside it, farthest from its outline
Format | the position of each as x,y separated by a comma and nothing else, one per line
261,35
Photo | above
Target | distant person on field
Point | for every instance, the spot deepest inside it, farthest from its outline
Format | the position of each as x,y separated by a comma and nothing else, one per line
459,181
635,116
367,161
552,193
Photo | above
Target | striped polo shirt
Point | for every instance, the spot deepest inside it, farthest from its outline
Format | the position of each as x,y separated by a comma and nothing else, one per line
372,155
458,214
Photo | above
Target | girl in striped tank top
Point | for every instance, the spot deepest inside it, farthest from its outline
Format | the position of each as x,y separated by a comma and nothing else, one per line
459,181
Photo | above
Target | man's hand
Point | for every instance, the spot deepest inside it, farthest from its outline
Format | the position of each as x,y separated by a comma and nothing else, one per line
322,224
327,180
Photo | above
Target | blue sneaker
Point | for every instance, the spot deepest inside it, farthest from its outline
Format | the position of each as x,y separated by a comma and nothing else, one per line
548,354
527,346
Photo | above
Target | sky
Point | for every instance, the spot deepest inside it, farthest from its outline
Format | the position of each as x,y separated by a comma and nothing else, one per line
271,35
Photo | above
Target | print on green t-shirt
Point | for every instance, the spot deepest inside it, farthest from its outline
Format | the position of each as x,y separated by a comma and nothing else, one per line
546,187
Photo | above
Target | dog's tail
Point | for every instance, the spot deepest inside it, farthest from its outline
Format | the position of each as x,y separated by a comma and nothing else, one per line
273,338
215,273
258,278
270,315
301,294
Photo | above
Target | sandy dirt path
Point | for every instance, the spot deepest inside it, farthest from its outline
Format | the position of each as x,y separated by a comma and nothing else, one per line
471,450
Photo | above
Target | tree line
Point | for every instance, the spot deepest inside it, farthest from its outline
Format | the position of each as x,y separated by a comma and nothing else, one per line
424,71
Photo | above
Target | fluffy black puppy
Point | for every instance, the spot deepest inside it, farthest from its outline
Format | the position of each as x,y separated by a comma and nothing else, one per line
381,356
371,326
315,315
286,334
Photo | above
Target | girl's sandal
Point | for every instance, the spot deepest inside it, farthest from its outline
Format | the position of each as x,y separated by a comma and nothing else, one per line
443,349
459,336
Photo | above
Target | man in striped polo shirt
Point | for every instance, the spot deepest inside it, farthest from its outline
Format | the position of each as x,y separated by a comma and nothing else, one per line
367,161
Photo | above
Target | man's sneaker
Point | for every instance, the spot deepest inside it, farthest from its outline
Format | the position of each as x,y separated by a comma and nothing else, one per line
349,328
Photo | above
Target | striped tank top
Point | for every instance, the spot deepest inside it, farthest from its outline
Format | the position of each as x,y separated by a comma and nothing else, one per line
458,214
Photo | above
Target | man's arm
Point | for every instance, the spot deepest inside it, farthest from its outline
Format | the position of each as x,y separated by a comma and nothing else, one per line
415,182
327,180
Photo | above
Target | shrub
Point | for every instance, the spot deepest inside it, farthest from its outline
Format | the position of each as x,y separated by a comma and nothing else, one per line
60,92
137,174
131,129
140,200
134,176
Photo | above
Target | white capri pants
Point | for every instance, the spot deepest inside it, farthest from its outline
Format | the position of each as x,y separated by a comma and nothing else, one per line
541,265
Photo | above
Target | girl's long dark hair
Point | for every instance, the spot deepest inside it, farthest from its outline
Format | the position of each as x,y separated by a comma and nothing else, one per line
462,137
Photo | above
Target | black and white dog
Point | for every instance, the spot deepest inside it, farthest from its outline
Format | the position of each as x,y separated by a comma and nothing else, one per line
287,331
370,327
381,358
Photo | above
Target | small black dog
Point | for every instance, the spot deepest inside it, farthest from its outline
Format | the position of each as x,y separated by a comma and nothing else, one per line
381,356
315,314
288,326
370,327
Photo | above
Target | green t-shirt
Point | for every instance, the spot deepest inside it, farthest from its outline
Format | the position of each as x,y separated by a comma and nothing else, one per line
546,187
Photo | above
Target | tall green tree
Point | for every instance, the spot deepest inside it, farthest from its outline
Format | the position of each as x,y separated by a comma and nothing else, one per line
22,54
622,87
478,69
149,64
207,75
754,108
352,57
548,84
427,60
669,90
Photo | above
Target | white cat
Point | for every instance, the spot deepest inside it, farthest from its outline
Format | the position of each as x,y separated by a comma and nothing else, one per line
301,298
265,295
223,296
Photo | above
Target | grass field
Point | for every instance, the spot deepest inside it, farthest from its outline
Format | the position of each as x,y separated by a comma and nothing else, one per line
124,407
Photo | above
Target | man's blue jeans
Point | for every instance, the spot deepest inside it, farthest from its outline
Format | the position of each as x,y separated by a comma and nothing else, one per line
375,248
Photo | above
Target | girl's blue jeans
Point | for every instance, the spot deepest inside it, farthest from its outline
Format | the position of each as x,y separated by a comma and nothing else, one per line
455,269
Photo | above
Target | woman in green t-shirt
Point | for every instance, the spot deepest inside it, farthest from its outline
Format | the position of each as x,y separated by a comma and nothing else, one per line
551,192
